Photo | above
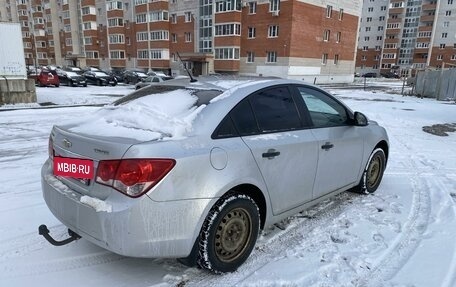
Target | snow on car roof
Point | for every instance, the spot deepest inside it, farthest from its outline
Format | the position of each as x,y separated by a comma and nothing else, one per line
166,116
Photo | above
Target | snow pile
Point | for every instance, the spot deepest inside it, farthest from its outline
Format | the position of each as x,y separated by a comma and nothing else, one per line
233,86
98,205
160,116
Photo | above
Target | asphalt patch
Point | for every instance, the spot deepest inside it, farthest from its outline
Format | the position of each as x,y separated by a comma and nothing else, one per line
441,130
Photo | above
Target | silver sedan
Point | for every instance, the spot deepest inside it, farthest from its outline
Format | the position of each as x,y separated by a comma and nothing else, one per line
195,170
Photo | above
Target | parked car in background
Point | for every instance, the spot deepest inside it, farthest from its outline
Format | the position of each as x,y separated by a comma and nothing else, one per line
133,77
195,170
369,75
47,77
99,78
150,80
116,73
74,69
72,79
389,75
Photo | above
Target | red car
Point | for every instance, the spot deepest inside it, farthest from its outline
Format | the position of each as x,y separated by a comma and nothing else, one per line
47,78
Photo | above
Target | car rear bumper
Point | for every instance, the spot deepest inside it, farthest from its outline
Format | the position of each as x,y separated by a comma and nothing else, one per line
137,227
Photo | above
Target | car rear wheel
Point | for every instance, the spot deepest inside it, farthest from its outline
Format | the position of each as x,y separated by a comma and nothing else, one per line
373,173
99,83
229,233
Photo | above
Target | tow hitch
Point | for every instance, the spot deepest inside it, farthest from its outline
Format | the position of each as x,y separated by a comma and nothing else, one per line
43,230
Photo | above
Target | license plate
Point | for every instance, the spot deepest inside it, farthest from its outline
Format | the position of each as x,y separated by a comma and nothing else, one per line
74,167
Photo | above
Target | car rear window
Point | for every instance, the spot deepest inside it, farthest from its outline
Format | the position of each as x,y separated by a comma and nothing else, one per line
203,96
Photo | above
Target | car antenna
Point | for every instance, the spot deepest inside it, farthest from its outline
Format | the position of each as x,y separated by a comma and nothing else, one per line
192,80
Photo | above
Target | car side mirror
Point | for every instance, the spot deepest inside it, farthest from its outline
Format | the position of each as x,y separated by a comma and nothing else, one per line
360,119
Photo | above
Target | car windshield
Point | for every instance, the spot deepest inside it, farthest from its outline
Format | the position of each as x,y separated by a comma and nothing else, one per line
141,74
100,74
72,74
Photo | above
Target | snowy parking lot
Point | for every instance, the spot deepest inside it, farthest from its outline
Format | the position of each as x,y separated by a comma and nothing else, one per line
401,236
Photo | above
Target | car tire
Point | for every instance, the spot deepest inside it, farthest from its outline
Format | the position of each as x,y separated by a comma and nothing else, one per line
57,85
373,173
229,233
99,83
85,85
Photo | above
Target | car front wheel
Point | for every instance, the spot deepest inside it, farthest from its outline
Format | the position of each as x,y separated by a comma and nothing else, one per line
373,173
229,233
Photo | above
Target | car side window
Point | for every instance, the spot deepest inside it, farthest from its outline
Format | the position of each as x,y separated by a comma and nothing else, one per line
275,110
155,80
243,119
324,111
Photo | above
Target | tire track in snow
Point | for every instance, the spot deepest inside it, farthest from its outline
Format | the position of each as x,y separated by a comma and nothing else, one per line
409,240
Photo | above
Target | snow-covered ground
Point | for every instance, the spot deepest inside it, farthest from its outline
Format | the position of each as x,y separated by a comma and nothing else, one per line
401,236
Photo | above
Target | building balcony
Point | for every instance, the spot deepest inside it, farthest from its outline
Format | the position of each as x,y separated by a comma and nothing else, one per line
421,50
429,7
427,18
425,29
397,10
396,20
391,31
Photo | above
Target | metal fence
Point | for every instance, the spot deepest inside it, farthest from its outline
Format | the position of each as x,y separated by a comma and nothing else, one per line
440,84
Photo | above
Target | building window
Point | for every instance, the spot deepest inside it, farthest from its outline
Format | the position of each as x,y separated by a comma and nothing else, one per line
379,38
369,19
381,18
389,56
271,57
251,32
338,37
227,5
336,59
365,48
368,29
444,35
326,35
140,2
115,22
341,14
141,18
161,35
442,46
453,57
87,40
227,53
363,58
250,57
42,55
367,38
91,54
448,13
380,28
439,57
68,42
228,29
446,24
173,18
116,39
324,59
114,5
252,7
383,8
88,10
174,38
188,37
117,54
273,31
188,16
370,9
329,11
378,48
141,36
274,5
155,16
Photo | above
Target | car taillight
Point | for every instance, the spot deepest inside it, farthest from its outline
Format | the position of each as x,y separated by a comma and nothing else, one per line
51,148
133,177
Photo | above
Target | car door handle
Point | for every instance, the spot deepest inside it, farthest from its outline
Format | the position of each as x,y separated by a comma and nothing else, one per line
327,146
271,153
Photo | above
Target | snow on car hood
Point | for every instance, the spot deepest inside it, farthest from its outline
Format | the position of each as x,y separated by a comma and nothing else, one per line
167,116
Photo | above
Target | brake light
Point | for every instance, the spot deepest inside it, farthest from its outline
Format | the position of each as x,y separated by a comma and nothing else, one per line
133,177
51,148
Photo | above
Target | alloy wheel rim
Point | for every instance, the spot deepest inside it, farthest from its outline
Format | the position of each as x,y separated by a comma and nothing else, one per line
232,234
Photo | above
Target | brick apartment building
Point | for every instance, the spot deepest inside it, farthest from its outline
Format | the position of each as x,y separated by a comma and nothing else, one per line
403,36
303,39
